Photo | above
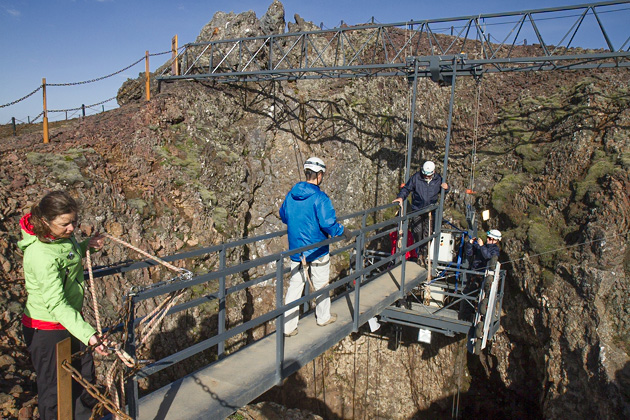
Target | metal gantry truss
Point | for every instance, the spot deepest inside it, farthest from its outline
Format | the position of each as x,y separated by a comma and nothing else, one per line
489,43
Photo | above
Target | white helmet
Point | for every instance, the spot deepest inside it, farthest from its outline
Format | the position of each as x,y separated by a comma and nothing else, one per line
428,168
494,234
315,164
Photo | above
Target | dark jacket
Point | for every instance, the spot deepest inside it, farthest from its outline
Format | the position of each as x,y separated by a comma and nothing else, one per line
481,254
310,218
423,193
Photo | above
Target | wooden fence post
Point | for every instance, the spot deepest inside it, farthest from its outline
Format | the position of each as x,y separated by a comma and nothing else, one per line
64,381
45,112
147,84
175,65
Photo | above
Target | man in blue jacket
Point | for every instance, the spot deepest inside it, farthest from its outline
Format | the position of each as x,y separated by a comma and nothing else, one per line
424,187
310,218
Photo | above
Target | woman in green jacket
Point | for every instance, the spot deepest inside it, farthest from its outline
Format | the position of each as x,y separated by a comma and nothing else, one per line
53,274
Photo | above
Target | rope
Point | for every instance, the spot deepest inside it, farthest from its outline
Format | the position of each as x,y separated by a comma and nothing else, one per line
151,326
122,391
22,98
116,406
306,273
146,254
109,378
93,290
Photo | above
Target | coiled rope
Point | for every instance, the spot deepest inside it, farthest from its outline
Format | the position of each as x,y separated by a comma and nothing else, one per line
151,322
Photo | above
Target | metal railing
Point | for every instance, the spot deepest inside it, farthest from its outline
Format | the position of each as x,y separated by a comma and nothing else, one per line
366,234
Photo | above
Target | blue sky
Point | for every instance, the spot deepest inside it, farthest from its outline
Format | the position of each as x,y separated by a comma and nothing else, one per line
76,40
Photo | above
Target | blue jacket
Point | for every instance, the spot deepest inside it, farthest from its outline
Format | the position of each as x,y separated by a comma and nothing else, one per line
423,193
310,218
482,254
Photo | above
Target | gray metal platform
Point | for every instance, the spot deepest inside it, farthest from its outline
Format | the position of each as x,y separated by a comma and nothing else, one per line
432,318
216,391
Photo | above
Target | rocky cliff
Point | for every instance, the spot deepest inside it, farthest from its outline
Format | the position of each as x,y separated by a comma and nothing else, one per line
203,163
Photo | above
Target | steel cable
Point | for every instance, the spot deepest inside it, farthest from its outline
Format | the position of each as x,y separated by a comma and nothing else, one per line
567,247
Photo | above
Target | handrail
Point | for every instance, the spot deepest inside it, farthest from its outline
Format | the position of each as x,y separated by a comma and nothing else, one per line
364,235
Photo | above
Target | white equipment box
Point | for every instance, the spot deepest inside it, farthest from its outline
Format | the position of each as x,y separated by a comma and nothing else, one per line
446,250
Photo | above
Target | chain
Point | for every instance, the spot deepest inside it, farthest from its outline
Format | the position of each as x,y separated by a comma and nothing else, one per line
81,107
35,119
98,78
93,391
22,98
81,83
160,53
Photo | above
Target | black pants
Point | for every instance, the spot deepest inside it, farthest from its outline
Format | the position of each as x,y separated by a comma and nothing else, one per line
420,230
42,346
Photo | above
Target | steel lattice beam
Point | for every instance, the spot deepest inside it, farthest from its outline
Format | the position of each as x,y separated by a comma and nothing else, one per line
385,49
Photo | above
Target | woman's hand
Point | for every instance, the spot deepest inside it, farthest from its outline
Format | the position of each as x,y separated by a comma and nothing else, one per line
96,241
100,349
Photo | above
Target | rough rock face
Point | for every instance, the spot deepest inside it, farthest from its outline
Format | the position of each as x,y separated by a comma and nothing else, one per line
201,164
273,22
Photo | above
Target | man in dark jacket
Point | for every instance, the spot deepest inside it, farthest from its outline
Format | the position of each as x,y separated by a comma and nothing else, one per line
310,218
424,187
480,253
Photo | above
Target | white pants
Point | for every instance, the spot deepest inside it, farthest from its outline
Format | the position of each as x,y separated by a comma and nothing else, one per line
319,272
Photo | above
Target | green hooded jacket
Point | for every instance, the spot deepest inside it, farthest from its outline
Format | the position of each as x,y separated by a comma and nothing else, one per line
53,274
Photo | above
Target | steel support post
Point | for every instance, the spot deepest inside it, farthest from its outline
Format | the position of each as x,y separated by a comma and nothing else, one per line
279,320
357,282
440,210
221,345
412,117
403,264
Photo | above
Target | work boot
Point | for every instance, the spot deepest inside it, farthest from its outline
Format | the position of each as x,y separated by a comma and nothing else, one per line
333,318
292,333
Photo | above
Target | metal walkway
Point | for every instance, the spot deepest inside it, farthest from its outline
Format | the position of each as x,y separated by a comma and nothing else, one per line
219,389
